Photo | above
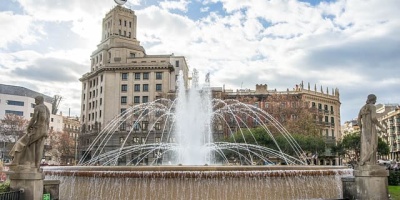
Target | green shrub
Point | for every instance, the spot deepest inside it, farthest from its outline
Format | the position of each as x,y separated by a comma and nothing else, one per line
394,177
5,186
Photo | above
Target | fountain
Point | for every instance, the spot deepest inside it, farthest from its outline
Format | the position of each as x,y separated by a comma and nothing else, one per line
187,162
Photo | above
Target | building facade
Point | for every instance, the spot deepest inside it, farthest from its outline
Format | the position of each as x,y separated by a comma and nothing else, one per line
391,119
288,105
284,105
122,75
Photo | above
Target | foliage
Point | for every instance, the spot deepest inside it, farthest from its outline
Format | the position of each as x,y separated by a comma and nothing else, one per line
304,124
11,128
5,187
394,192
64,146
351,144
261,137
13,125
394,177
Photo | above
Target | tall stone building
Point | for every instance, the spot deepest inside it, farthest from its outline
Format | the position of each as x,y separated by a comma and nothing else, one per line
122,74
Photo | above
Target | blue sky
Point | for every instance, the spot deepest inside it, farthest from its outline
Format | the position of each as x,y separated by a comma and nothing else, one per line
352,45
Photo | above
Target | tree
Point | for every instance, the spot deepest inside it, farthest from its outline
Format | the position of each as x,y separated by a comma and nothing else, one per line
11,128
13,125
62,147
304,124
259,136
351,144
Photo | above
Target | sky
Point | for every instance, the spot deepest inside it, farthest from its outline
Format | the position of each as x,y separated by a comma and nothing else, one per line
352,45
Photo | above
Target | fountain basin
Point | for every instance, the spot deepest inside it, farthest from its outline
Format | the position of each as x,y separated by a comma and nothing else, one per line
199,182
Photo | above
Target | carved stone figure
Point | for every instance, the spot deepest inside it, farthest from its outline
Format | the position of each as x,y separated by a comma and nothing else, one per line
28,150
369,134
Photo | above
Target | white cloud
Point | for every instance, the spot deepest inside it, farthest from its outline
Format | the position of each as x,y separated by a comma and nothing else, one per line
17,29
181,5
343,44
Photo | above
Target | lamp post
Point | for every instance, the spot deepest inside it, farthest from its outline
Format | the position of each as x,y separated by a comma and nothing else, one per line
76,148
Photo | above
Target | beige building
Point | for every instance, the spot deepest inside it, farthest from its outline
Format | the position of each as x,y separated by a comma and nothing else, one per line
391,118
122,74
285,105
282,105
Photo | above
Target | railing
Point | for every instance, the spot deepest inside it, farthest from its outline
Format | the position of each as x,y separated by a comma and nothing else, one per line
13,195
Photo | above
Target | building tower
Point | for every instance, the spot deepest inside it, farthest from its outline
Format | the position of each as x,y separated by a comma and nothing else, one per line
122,74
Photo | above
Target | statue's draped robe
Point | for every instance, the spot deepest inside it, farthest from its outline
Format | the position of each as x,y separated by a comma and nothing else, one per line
369,135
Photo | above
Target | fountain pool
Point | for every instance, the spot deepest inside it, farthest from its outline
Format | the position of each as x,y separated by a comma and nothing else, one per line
199,182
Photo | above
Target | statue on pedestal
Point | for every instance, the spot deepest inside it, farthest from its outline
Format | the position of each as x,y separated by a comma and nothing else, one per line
369,134
28,150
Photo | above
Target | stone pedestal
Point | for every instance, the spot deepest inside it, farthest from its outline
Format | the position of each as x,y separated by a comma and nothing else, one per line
371,182
31,181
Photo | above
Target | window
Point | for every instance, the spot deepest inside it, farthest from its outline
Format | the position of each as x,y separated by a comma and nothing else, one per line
15,103
145,125
158,75
157,126
176,63
137,88
120,22
101,101
124,76
158,140
146,76
130,24
158,87
145,87
145,99
143,141
136,126
123,110
125,23
123,100
121,140
122,126
19,113
33,105
124,33
136,140
137,76
124,88
119,32
132,55
136,99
